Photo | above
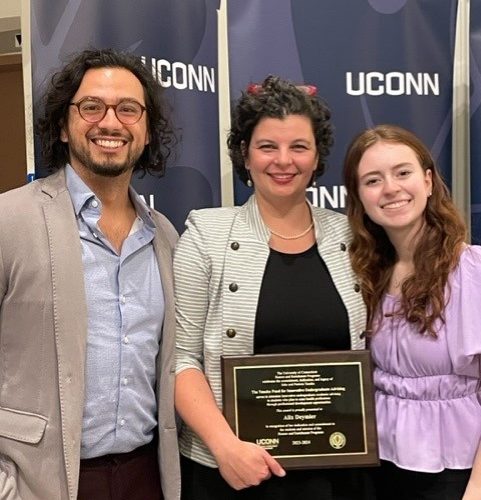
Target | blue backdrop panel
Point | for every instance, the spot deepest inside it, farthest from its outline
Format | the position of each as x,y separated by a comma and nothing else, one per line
475,71
374,61
178,40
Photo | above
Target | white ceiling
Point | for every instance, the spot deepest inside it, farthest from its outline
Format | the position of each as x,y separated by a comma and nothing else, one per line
10,14
10,8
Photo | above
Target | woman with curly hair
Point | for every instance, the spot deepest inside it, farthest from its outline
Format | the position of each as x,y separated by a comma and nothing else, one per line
421,284
270,276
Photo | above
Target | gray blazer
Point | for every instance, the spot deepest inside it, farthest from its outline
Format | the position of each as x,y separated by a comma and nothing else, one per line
43,331
218,266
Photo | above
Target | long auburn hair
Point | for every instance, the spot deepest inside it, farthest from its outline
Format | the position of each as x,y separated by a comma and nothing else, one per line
423,294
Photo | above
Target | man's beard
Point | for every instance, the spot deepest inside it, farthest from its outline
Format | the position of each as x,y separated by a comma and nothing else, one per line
107,168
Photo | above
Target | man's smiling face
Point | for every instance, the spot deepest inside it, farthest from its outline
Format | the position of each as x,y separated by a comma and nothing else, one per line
107,148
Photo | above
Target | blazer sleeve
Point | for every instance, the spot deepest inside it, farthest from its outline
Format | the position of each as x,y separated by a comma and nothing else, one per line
191,280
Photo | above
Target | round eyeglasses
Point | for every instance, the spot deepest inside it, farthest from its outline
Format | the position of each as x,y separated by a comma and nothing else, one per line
93,110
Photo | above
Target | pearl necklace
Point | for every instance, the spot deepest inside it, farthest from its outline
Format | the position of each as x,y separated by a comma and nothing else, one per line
296,236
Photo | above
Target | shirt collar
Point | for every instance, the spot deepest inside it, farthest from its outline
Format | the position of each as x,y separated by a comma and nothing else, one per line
81,194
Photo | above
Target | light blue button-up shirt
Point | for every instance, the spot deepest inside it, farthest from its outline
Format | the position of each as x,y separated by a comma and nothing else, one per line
125,304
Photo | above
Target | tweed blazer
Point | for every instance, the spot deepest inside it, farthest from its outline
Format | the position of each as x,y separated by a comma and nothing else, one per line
219,265
43,331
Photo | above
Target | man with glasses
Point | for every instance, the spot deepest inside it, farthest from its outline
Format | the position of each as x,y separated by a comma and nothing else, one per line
86,312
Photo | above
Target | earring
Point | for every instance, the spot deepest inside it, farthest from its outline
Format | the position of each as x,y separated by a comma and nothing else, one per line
313,180
249,179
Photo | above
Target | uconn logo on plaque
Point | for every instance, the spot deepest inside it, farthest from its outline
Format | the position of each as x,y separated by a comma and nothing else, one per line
337,440
268,443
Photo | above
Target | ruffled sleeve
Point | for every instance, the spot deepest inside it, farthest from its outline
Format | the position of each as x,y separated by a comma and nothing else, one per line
463,314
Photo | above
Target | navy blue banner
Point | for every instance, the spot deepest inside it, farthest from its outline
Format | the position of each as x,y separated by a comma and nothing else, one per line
373,61
178,40
475,123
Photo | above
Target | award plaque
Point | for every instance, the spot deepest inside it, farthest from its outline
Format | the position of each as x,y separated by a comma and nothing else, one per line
309,410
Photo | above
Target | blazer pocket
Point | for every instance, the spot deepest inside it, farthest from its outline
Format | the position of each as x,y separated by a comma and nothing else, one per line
22,426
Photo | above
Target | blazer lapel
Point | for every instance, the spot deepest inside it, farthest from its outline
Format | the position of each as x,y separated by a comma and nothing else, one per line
70,320
164,259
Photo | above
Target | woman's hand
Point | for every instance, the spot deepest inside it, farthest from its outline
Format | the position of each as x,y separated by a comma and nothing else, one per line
243,464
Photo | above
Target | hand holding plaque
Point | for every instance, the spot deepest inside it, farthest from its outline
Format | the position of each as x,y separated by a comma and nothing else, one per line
309,410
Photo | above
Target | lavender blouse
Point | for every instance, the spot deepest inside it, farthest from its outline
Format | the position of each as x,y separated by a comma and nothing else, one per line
428,395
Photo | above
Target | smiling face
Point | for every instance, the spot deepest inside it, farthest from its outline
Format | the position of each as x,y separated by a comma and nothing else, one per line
393,187
281,158
107,148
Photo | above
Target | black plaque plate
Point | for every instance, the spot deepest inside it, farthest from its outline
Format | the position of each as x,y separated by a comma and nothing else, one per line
309,410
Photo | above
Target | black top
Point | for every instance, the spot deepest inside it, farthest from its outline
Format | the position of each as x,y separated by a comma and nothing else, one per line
299,307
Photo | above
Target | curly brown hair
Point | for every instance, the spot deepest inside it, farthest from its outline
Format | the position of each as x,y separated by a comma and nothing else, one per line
423,294
277,98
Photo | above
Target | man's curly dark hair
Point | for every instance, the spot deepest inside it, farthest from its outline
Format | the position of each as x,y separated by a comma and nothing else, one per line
277,98
64,84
